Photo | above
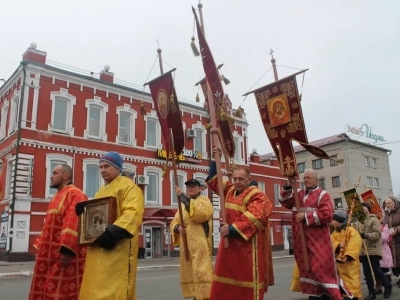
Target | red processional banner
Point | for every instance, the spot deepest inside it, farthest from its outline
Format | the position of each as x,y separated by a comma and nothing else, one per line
214,82
282,117
369,197
167,107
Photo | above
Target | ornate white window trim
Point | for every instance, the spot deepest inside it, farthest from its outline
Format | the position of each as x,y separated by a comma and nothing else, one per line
183,188
96,101
49,158
4,117
200,126
14,112
158,172
238,148
153,116
126,108
63,93
90,162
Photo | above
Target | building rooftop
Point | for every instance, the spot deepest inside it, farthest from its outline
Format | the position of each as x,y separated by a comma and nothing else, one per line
325,141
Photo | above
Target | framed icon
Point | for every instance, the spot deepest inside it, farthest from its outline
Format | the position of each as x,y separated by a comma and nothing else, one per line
96,216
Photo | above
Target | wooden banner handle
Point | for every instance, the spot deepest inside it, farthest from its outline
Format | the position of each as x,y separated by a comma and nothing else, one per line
184,237
215,140
292,181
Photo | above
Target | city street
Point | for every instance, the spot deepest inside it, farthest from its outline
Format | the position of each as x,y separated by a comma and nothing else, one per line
164,284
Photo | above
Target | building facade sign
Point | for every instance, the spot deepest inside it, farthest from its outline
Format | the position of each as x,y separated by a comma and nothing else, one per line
186,155
366,131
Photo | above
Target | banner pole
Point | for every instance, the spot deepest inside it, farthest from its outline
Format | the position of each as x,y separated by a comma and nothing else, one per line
172,152
292,181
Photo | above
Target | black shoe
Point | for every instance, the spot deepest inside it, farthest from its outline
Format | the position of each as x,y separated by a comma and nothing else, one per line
388,291
370,297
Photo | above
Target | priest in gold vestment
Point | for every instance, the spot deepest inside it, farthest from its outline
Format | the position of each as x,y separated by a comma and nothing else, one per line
111,262
195,274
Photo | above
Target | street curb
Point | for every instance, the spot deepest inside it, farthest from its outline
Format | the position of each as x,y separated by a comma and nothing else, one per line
147,268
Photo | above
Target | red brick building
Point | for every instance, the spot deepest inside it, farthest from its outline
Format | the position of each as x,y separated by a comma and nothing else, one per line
51,115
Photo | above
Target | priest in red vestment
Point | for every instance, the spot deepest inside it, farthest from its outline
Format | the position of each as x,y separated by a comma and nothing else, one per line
59,261
244,269
321,281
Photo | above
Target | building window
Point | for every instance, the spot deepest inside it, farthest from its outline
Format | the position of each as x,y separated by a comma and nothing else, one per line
277,193
13,115
317,164
239,142
153,131
238,149
373,162
333,161
369,181
261,186
52,160
92,180
62,111
376,182
153,190
321,183
96,119
338,203
201,177
181,183
335,181
367,161
198,140
3,124
301,167
126,125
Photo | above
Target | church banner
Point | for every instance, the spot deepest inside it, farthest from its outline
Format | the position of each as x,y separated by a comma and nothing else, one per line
214,82
358,213
369,197
167,107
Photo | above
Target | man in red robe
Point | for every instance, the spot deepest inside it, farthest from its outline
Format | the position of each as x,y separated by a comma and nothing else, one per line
244,269
59,261
321,281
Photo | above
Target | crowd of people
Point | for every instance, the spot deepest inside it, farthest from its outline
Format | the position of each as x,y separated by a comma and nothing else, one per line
333,267
327,265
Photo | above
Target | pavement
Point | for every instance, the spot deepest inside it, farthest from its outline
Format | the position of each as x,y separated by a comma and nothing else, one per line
10,269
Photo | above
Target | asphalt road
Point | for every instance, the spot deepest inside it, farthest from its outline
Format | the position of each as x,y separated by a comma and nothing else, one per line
164,284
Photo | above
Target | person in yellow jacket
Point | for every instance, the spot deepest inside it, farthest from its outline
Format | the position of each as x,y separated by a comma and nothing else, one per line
348,262
111,261
197,210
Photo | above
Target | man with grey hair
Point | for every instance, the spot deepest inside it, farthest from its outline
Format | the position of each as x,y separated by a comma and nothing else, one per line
316,211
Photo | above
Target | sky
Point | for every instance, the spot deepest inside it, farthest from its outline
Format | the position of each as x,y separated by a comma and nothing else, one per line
351,48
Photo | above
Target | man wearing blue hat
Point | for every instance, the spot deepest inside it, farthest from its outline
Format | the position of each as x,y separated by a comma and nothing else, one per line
197,210
110,268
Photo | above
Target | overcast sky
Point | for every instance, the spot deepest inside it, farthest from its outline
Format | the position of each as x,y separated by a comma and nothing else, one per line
352,49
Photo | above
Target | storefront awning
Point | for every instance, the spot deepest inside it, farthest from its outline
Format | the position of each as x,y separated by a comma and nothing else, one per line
158,212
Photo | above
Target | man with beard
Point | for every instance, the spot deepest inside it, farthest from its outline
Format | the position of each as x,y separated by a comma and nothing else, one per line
59,261
111,261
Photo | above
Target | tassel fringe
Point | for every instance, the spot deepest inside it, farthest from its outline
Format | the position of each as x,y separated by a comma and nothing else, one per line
225,80
197,98
224,116
194,47
238,112
172,103
142,110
